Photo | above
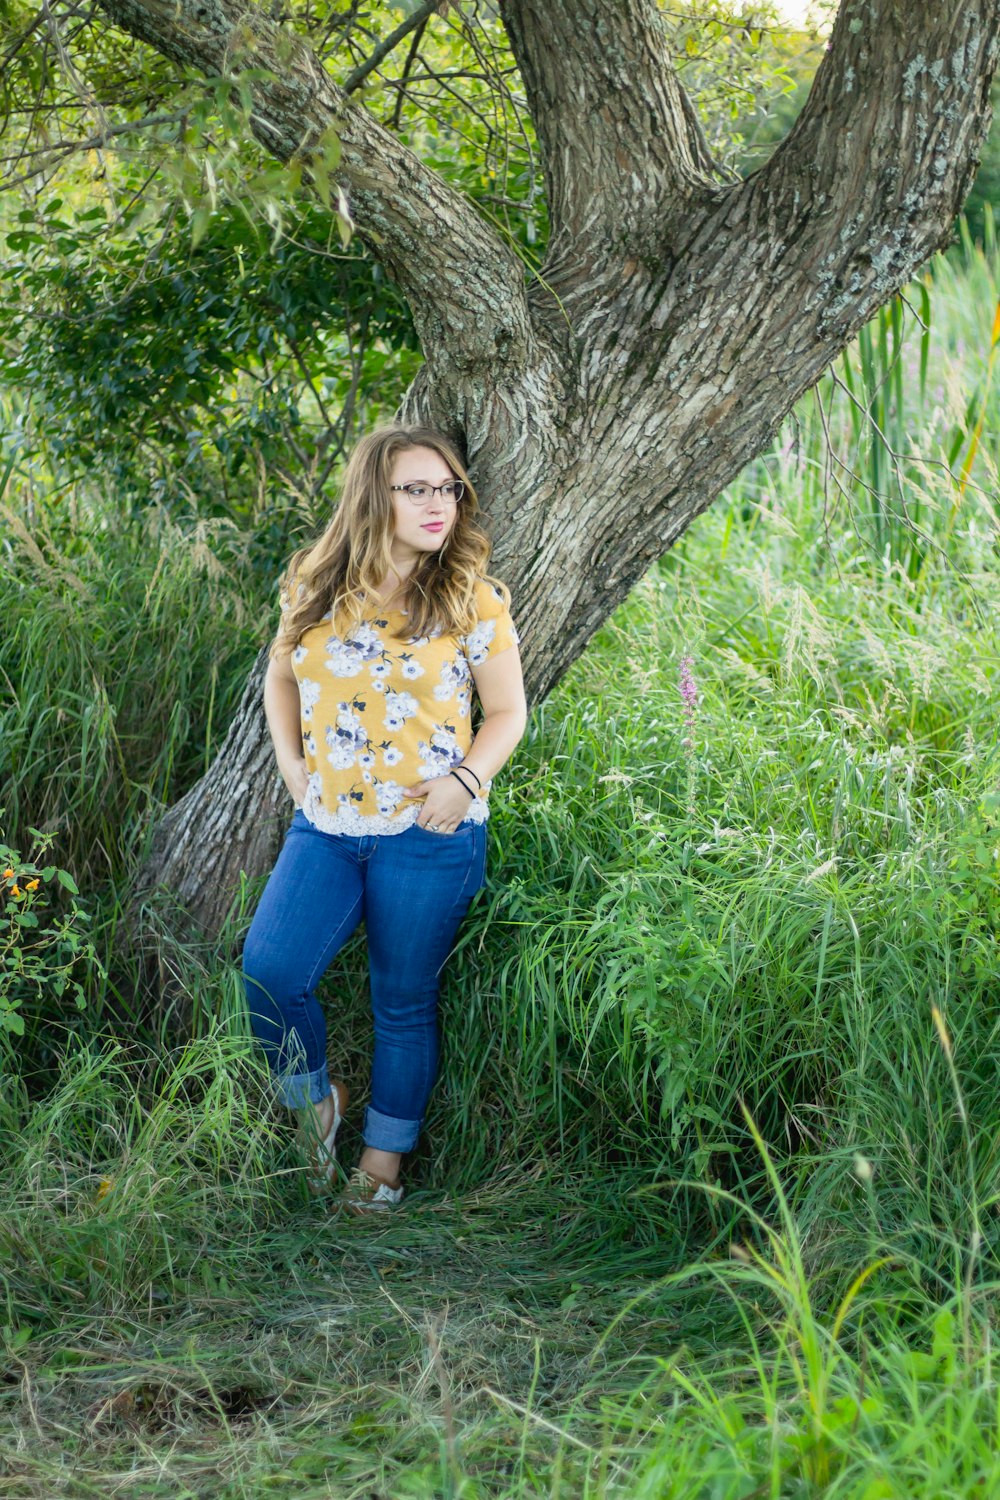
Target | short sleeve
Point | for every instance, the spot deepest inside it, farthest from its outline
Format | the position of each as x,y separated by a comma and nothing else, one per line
495,629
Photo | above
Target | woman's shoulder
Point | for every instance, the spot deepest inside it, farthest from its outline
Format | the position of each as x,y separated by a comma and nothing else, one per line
492,597
494,629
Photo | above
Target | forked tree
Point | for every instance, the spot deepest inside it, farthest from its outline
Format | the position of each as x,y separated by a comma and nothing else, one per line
678,314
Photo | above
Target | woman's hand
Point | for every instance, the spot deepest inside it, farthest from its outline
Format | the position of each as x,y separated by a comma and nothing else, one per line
295,774
446,805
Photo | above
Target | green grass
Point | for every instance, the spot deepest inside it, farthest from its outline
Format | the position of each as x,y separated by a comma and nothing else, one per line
181,1320
706,1204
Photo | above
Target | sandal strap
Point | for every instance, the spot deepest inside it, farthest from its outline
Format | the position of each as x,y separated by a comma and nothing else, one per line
323,1156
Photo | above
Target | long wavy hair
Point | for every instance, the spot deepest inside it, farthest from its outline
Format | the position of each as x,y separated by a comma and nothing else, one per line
342,570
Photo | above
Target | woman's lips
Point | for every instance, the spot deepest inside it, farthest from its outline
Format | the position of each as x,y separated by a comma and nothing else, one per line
434,526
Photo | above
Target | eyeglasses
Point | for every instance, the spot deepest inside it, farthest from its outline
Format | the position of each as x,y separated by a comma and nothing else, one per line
419,491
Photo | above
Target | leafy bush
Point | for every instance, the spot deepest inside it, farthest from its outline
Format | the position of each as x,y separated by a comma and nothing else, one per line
41,949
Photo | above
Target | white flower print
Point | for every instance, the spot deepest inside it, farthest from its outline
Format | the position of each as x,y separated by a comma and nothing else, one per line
346,739
407,712
440,755
398,708
478,640
347,657
309,696
452,674
388,794
342,661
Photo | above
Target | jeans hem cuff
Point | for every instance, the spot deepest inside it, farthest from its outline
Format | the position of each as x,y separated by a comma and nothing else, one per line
296,1090
387,1133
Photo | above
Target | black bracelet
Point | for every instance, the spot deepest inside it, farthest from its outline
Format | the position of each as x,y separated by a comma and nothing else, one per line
462,783
464,767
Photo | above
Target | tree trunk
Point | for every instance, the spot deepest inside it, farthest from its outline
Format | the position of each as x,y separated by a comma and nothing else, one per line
677,318
232,820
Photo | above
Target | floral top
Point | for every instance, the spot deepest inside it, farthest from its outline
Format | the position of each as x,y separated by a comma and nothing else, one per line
380,713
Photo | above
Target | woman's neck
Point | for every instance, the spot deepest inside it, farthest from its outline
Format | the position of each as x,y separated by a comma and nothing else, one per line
393,585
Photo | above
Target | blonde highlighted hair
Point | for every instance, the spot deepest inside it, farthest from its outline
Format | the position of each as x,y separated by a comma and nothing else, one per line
342,570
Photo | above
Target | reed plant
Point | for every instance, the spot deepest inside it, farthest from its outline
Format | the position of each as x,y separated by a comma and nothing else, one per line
896,446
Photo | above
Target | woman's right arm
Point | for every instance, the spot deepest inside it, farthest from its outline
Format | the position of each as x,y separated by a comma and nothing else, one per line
282,707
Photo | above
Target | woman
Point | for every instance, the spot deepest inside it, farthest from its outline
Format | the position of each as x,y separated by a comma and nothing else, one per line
388,622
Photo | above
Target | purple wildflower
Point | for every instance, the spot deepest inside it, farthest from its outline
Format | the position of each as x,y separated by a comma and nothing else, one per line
689,693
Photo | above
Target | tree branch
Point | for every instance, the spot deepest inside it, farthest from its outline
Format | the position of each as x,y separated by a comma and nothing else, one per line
44,157
622,154
355,79
424,232
882,156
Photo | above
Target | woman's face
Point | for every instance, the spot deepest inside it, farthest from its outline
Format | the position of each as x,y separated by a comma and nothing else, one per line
420,528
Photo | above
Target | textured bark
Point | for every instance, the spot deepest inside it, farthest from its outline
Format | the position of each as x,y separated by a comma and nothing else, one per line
623,155
677,318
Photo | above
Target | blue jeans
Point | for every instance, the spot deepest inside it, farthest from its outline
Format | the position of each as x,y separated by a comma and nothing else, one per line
412,889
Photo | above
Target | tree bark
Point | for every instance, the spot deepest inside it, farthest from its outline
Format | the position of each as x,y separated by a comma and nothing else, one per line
675,322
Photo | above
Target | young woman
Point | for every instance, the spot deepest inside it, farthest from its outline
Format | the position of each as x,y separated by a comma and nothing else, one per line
389,621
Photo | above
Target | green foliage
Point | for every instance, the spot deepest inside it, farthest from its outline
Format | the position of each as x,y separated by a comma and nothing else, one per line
45,955
188,317
747,72
99,617
159,361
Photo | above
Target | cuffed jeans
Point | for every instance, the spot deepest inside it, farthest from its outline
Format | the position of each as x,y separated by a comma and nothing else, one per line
412,889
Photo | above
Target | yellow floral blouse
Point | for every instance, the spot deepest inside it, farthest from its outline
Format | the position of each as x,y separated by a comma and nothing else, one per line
381,713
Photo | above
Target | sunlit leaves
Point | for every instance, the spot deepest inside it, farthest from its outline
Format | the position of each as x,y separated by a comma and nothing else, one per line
737,61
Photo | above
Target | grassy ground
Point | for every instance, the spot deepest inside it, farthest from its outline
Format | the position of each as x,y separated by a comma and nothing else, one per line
706,1204
250,1344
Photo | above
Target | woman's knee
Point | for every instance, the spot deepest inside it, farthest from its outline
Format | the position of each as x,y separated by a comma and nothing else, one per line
405,1004
268,985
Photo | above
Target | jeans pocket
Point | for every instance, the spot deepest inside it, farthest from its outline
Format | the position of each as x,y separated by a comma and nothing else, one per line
461,829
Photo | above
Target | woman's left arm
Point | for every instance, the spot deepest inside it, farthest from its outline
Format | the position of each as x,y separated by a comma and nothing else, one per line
500,685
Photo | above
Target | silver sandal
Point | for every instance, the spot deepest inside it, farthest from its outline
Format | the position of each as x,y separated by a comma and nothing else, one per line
321,1155
366,1194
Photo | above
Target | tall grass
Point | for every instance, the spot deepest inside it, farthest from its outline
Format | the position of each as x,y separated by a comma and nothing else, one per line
896,446
707,1199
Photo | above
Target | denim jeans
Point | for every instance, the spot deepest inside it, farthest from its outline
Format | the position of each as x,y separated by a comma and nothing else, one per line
412,889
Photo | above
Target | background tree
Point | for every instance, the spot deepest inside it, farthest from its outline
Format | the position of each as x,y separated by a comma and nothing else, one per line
677,311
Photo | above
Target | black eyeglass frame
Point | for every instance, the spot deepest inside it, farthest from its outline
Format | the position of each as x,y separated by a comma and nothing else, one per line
458,484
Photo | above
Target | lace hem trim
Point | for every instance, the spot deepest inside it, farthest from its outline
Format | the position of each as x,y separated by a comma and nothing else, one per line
360,825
